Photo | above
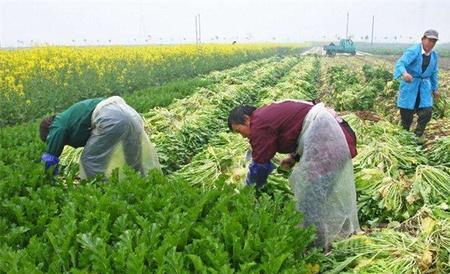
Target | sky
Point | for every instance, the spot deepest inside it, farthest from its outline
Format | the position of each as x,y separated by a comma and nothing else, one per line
100,22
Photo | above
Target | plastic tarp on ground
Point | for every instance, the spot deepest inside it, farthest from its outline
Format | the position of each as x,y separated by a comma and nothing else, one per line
117,139
323,180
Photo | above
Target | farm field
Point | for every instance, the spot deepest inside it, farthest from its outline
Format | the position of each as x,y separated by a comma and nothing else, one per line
197,216
47,79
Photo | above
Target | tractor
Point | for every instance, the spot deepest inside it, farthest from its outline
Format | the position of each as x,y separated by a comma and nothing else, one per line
345,46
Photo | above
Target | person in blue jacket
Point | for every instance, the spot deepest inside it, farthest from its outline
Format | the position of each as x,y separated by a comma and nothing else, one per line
418,68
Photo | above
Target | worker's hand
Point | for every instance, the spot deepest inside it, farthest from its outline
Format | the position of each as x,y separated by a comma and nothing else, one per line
407,77
258,173
436,94
287,163
50,163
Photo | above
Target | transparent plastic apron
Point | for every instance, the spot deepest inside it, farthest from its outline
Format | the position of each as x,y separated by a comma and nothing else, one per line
323,180
117,139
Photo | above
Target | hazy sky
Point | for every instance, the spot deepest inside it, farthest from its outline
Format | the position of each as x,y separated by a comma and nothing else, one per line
70,22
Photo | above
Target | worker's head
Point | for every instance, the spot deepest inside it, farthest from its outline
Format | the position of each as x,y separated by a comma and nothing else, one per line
44,127
239,120
429,39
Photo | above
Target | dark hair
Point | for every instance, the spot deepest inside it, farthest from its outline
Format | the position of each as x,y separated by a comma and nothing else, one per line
236,116
44,127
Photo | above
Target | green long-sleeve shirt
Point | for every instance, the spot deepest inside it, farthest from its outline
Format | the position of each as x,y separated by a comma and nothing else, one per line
71,127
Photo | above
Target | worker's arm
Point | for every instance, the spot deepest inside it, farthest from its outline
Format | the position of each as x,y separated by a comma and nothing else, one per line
264,147
404,61
258,173
435,77
55,145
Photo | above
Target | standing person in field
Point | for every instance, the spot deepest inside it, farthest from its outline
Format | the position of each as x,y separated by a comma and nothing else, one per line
418,68
324,144
111,132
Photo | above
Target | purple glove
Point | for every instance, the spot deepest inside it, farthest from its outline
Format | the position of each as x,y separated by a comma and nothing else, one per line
49,161
258,173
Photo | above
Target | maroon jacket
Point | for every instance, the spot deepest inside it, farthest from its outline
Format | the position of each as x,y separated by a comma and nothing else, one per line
276,128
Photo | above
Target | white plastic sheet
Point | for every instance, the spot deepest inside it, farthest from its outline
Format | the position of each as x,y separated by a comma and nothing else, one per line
117,139
323,180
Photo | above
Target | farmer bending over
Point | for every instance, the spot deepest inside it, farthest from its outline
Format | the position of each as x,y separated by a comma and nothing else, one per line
111,132
322,181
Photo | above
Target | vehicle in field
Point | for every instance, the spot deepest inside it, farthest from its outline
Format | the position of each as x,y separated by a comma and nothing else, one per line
344,46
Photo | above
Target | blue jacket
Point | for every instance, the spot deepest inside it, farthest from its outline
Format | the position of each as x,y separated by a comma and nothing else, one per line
426,82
